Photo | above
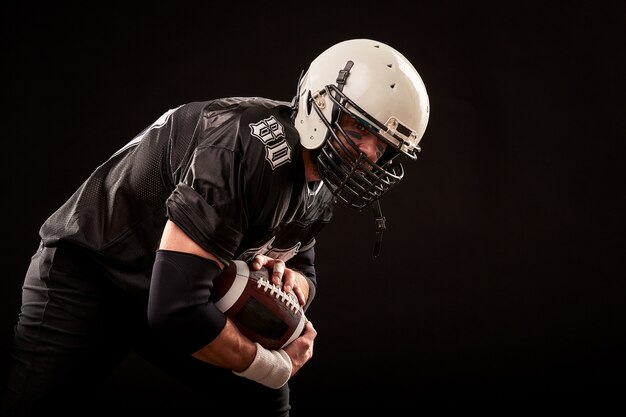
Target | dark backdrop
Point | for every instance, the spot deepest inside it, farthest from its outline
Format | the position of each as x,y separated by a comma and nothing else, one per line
501,281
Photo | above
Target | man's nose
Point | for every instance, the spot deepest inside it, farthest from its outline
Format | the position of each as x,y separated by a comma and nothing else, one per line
369,146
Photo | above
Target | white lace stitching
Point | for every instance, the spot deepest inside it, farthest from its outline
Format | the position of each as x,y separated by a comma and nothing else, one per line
288,299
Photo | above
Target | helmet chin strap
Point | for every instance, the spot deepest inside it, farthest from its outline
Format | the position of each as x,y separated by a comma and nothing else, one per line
379,219
296,98
380,227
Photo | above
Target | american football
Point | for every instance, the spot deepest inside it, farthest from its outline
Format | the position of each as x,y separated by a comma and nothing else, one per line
262,311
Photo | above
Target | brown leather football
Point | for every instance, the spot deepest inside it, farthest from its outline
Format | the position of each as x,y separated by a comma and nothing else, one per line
262,311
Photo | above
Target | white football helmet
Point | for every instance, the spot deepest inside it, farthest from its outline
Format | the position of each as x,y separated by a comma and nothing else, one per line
381,89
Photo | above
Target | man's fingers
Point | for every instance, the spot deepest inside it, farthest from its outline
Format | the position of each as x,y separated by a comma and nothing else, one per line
259,261
278,271
310,330
276,265
299,293
289,281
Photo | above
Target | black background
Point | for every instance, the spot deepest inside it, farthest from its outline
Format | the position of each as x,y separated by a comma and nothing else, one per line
501,281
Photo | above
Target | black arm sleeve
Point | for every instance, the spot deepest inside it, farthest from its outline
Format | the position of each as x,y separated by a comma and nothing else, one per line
304,262
179,309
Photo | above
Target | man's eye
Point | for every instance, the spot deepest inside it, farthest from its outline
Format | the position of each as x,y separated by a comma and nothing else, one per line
360,127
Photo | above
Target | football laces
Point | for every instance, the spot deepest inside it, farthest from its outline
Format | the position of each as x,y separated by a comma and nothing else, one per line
288,299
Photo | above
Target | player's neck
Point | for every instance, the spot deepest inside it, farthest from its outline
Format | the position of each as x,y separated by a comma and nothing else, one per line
310,168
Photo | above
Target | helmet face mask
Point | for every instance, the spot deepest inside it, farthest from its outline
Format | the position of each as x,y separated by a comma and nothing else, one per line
355,179
376,86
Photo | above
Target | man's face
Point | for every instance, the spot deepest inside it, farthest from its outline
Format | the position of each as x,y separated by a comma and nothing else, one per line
364,140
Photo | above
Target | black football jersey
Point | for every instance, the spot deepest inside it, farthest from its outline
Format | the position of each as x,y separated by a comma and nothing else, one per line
228,172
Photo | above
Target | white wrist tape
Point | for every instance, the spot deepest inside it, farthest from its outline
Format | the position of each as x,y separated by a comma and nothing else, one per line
271,368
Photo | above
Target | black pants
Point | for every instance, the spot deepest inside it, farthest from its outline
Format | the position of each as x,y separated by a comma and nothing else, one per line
75,326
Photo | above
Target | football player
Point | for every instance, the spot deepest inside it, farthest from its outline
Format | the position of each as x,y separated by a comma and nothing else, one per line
127,262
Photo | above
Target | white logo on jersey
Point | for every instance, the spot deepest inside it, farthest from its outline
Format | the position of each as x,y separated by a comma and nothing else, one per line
268,250
272,134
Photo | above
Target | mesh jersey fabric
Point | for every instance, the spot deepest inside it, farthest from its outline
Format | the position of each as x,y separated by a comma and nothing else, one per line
228,172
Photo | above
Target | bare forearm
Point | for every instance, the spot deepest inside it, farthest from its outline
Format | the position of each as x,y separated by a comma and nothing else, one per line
230,349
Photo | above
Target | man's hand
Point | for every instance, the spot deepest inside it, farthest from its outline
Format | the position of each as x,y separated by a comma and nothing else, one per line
290,279
301,349
273,368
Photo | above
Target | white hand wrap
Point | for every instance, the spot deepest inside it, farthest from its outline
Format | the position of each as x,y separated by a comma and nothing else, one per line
271,368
